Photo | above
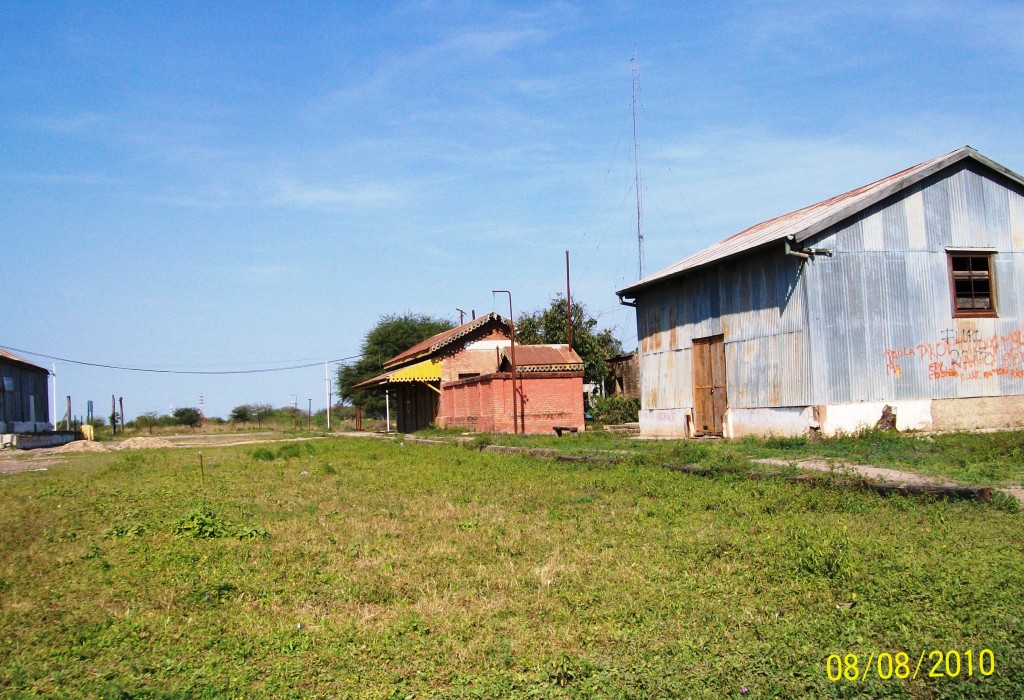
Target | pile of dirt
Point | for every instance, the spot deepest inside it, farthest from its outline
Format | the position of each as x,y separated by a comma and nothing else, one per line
82,446
143,443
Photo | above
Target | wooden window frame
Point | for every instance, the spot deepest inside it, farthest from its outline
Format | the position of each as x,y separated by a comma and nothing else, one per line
970,275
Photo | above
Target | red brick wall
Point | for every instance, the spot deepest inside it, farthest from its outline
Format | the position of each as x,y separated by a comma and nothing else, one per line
468,362
484,404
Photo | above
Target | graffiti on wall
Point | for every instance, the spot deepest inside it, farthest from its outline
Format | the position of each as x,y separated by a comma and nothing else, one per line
963,354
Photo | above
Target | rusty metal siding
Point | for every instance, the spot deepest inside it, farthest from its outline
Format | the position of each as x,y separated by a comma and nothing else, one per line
880,320
872,323
757,304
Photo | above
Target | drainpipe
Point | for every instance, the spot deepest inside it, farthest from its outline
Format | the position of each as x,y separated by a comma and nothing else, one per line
795,253
806,253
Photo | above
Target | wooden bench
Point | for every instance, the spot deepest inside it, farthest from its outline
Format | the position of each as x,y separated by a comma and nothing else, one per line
559,429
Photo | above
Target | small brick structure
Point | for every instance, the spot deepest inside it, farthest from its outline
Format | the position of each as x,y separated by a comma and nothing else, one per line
484,404
464,377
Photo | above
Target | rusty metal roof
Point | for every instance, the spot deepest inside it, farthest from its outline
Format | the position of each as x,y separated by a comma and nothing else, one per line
556,357
11,357
436,342
804,223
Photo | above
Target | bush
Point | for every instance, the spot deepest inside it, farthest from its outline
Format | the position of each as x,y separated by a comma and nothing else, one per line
616,409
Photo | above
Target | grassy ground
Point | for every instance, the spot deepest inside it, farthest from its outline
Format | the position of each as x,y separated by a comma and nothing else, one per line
360,568
989,459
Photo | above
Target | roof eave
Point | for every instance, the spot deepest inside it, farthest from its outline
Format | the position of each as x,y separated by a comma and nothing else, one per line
842,214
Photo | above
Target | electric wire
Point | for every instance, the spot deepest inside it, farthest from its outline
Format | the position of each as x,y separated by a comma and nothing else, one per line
175,371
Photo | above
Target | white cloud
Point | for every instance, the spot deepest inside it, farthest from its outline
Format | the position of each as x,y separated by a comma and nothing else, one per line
67,124
85,178
294,193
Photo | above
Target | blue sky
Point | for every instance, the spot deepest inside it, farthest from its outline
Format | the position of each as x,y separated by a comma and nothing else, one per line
229,186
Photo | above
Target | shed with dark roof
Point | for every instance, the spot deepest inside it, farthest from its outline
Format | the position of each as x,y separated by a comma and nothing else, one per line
24,404
906,293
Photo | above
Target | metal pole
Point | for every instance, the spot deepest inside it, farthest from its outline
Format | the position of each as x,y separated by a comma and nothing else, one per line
309,416
568,302
327,383
387,411
53,418
515,374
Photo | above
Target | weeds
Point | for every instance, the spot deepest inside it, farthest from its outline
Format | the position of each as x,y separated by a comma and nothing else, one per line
437,572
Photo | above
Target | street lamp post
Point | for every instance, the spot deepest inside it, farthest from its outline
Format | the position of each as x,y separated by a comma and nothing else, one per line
515,373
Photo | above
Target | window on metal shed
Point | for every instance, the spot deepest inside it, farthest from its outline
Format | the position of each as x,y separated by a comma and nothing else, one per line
971,282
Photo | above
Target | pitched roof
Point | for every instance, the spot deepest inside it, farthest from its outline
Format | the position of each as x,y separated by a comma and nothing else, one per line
543,357
436,342
804,223
11,357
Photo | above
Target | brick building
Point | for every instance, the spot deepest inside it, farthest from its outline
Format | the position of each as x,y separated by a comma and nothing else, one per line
465,377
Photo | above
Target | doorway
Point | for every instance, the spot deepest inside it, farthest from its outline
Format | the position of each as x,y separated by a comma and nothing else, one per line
709,388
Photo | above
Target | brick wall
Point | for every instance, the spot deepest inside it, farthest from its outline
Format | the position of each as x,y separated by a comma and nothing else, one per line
468,362
484,404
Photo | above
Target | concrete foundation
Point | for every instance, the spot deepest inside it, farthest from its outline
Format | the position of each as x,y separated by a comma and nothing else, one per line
976,413
31,441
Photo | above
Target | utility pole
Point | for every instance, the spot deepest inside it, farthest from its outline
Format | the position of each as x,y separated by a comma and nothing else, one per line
120,402
568,302
202,415
462,315
309,416
327,382
113,415
53,418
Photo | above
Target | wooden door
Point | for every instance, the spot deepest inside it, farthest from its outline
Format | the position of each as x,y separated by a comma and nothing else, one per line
709,389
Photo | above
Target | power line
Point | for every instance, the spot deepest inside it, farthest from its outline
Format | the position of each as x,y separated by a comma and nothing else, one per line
173,371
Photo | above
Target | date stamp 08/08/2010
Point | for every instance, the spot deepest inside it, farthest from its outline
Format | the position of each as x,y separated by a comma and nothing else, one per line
951,663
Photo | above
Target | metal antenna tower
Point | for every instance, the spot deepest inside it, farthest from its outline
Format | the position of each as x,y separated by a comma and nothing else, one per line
636,163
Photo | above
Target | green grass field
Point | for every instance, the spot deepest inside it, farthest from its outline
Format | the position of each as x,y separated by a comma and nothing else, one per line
378,569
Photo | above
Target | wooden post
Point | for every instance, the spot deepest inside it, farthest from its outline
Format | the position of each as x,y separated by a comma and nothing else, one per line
113,415
120,401
67,422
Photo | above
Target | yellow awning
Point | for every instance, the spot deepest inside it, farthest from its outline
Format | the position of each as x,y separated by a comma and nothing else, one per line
426,371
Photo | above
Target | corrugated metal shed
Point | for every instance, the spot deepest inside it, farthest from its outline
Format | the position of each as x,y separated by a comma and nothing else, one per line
873,322
809,221
11,357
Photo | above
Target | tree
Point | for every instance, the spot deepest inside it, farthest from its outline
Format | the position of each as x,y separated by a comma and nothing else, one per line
261,412
146,421
391,336
241,414
188,416
548,326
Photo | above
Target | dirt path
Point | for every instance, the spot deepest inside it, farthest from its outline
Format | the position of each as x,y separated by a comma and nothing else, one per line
28,464
880,474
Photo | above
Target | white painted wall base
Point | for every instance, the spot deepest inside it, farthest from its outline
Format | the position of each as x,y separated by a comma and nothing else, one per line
1003,412
794,420
665,422
31,441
